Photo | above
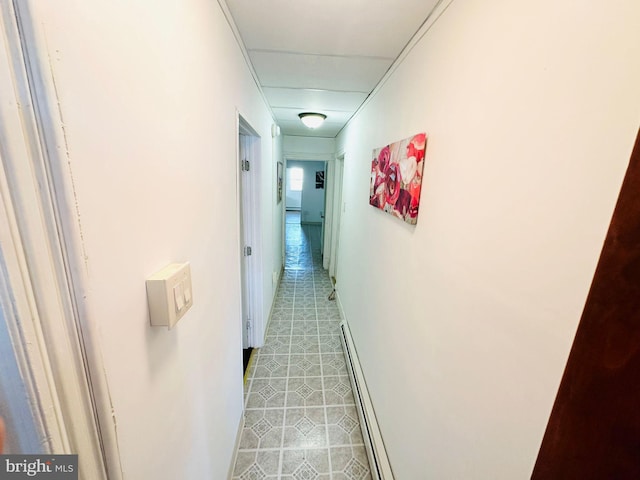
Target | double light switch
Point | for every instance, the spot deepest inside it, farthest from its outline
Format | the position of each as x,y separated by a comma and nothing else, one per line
169,294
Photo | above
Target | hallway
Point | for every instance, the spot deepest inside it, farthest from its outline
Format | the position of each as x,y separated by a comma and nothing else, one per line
300,418
120,157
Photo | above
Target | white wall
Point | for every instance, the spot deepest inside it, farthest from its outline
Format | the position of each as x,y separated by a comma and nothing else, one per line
464,322
311,198
149,92
309,148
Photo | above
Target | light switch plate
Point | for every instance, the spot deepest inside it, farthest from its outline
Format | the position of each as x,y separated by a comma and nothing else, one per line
169,294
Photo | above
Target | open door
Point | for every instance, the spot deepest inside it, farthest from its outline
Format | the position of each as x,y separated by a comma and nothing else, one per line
323,214
250,246
245,236
54,390
336,217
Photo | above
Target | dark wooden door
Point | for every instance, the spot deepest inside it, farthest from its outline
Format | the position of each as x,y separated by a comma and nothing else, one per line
594,428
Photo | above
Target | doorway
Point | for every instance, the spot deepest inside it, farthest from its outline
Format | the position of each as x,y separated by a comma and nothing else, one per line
248,195
305,191
54,393
336,218
304,200
293,199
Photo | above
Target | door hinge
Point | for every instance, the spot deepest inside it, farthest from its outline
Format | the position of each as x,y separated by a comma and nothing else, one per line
248,325
246,165
247,251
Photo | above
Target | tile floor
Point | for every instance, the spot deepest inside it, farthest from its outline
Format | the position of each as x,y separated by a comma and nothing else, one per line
300,418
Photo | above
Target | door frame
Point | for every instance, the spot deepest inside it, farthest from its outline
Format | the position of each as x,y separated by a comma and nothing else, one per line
57,345
26,371
332,234
250,234
328,160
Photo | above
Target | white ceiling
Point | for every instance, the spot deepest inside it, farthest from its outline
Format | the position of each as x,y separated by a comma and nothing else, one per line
323,56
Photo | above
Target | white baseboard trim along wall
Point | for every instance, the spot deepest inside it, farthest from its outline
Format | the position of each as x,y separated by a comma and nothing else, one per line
234,457
378,460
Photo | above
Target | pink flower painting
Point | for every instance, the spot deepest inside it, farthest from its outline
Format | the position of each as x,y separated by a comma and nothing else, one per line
396,177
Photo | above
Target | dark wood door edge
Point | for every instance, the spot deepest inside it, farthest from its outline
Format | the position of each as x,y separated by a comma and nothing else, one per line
594,427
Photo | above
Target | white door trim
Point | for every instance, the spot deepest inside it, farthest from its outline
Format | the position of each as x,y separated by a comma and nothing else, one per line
38,195
248,198
34,374
328,213
246,240
336,213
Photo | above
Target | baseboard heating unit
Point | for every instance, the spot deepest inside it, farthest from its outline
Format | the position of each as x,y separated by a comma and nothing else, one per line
378,460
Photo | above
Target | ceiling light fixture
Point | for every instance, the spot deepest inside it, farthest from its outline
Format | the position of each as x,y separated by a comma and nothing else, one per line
312,120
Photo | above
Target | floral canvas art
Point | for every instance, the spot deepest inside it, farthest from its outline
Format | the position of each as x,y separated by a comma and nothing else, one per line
396,177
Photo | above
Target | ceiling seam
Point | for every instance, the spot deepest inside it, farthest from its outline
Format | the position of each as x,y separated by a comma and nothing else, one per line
331,55
307,136
298,108
236,33
315,89
429,22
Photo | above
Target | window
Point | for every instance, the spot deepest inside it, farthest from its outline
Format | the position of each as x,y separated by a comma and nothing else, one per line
296,175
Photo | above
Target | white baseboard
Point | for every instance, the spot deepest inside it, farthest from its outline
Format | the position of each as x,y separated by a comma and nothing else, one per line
273,302
374,444
339,303
236,447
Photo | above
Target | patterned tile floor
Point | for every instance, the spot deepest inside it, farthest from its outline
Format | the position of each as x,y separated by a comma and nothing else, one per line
300,417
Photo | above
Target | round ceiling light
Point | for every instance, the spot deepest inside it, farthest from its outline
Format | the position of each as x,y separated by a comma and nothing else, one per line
312,120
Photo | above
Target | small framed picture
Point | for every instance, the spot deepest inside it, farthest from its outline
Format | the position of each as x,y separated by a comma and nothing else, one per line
279,182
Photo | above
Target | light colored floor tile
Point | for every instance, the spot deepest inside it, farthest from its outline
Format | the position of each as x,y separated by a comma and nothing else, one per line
300,419
267,393
337,391
333,364
281,313
303,464
270,366
277,327
305,392
257,464
330,344
305,314
305,344
305,365
305,428
262,429
349,463
328,328
343,425
305,328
